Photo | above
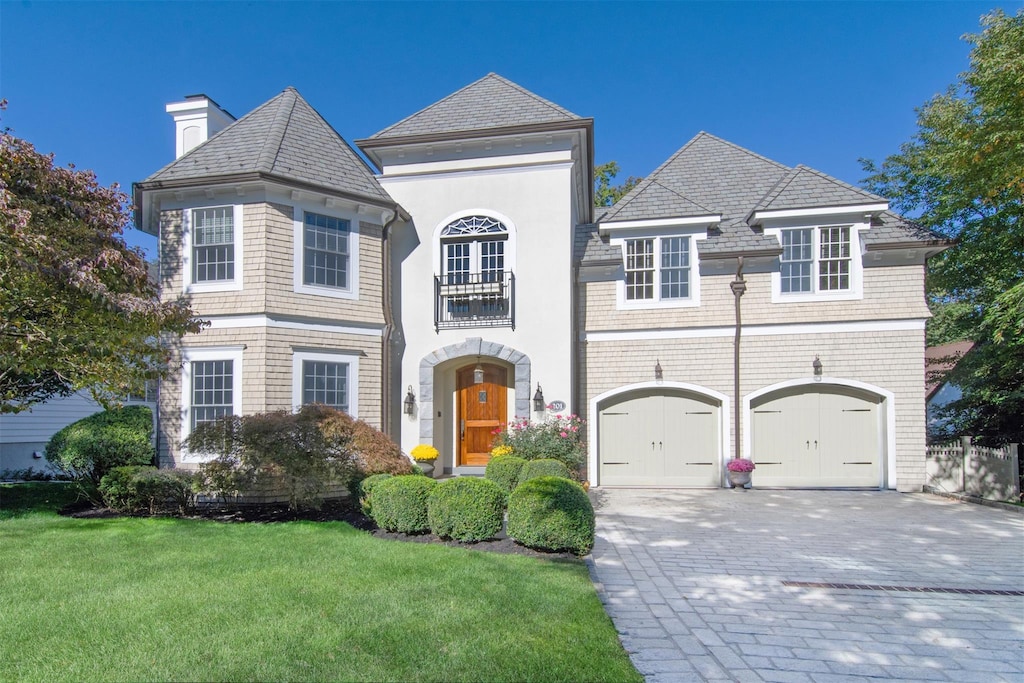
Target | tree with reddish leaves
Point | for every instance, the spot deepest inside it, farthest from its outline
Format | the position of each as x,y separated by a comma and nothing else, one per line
77,308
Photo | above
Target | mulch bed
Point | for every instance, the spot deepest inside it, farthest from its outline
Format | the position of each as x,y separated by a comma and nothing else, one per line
331,511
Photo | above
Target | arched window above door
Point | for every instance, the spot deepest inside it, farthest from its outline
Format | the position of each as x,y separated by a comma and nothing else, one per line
476,285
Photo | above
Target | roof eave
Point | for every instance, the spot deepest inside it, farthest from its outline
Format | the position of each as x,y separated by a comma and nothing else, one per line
769,252
475,133
256,176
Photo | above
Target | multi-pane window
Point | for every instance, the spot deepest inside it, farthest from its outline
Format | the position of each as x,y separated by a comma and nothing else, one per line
833,263
325,251
213,244
658,269
212,390
325,382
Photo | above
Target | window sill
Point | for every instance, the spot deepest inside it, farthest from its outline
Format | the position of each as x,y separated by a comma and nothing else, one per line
328,292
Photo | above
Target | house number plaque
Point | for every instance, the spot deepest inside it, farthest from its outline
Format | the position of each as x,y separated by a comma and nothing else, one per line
556,406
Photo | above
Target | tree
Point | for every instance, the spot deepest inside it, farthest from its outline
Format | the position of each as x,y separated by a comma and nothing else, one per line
606,194
962,174
77,309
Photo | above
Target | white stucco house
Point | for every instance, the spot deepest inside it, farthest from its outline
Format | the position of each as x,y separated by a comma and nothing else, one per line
466,272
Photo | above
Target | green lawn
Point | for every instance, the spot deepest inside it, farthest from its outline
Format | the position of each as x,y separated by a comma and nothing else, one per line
168,599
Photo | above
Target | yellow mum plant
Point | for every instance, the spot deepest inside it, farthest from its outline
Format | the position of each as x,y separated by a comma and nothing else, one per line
424,452
499,451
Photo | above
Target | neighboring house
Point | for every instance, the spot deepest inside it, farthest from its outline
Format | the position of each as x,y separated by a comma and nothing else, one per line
470,275
24,435
939,360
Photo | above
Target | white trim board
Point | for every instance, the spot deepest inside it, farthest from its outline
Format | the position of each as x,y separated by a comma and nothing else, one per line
757,330
234,322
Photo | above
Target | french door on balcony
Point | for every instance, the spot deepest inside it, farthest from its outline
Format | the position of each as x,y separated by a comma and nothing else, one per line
473,280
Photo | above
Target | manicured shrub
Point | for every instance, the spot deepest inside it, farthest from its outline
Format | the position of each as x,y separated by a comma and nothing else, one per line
466,509
146,489
116,487
94,445
366,491
292,452
551,513
544,467
400,504
504,471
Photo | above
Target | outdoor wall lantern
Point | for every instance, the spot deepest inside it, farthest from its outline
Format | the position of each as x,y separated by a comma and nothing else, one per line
478,372
818,367
539,406
658,373
410,402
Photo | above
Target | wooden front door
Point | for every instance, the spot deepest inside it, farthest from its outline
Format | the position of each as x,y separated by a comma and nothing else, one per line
481,411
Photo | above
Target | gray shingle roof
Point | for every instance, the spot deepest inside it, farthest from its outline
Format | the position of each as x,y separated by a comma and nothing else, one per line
805,187
657,199
591,247
286,138
723,178
491,102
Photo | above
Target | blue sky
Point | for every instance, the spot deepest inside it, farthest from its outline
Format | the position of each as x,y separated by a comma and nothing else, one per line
815,83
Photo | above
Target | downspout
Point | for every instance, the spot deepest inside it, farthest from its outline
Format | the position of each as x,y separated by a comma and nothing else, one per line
389,325
738,287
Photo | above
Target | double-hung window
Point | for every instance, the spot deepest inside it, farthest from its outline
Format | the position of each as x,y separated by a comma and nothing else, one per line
325,377
658,269
210,388
326,256
816,260
213,245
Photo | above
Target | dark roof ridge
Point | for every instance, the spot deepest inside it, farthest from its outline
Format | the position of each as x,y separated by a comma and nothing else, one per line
774,191
843,183
547,103
272,144
625,201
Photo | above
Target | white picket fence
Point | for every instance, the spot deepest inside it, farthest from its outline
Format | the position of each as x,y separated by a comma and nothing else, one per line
963,467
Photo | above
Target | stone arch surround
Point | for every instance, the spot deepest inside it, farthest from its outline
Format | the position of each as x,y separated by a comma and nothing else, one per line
472,347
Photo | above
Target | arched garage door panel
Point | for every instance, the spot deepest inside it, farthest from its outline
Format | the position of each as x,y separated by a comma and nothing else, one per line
659,439
817,438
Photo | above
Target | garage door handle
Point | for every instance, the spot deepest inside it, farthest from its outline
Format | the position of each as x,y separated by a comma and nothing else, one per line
616,463
700,463
808,446
661,445
867,462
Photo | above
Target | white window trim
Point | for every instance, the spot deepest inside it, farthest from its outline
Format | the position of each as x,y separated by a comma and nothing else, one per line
298,221
232,285
692,301
329,357
439,242
188,355
856,290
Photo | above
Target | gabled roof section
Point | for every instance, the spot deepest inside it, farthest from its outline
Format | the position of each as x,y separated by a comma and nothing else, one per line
284,138
804,188
491,102
654,198
939,360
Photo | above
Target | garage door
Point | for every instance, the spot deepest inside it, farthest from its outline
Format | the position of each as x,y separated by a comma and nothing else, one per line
659,439
817,438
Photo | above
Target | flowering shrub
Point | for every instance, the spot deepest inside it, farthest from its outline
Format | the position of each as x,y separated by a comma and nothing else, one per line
740,465
424,452
560,438
499,451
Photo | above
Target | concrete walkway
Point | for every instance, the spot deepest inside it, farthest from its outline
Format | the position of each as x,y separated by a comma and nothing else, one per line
714,585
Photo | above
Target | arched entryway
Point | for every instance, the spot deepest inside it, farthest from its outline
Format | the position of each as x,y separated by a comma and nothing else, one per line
826,434
658,434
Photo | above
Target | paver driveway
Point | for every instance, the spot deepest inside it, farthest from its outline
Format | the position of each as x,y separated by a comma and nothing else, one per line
697,585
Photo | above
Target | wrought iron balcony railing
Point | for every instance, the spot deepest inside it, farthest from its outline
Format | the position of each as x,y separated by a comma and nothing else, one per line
474,300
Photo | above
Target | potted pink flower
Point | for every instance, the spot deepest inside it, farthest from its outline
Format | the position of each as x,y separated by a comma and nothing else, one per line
739,472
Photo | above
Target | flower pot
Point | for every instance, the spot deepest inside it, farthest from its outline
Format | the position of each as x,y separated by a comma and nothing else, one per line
427,466
738,479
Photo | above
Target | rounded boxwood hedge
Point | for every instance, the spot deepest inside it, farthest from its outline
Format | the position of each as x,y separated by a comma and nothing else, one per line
551,513
545,467
96,444
504,471
365,491
400,503
466,509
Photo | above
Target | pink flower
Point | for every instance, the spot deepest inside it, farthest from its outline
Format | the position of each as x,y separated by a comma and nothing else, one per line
563,435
